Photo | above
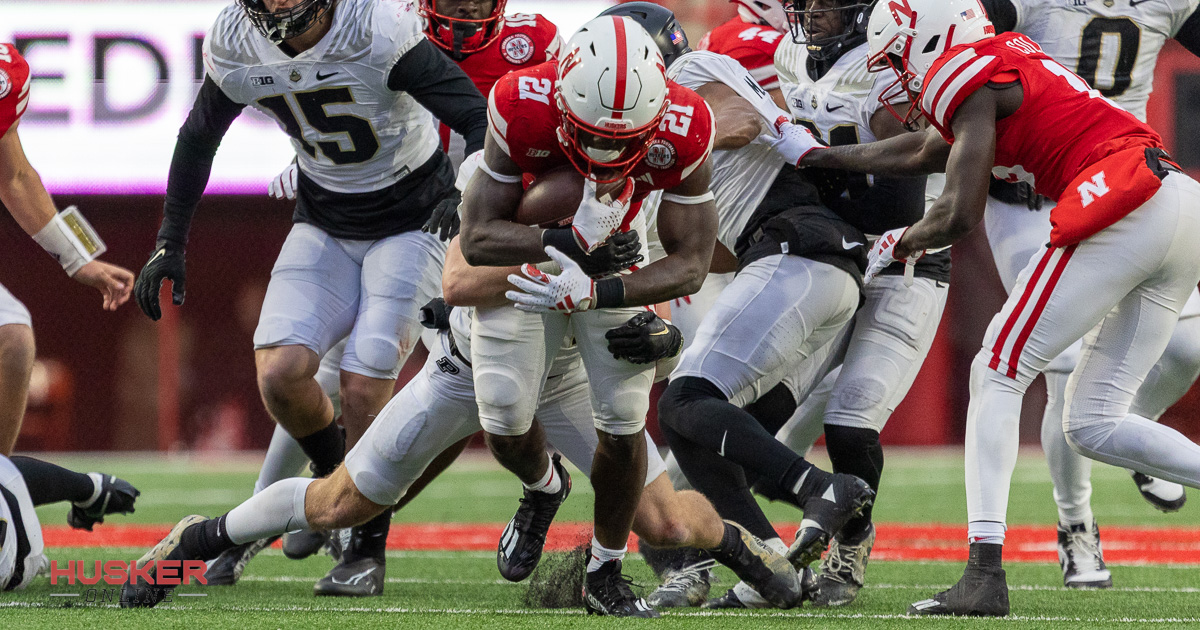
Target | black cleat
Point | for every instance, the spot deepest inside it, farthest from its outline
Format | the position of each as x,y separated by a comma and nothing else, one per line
685,587
227,569
981,592
843,498
767,572
521,544
731,600
302,544
607,592
140,594
1163,495
113,496
362,578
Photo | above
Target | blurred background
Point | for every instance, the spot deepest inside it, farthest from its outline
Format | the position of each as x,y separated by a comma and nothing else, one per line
113,81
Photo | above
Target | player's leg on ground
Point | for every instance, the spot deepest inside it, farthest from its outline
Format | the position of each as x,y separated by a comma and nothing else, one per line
22,551
16,363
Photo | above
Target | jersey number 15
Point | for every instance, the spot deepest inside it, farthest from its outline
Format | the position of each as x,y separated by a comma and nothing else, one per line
363,142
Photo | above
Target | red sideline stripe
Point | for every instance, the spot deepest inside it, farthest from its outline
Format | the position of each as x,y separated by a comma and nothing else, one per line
937,542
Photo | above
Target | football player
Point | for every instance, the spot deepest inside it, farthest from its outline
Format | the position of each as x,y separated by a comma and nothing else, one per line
355,84
1118,267
1018,224
66,236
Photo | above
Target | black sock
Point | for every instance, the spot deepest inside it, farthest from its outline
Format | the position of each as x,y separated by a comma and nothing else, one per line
985,556
326,448
802,481
730,547
856,452
48,483
203,541
369,540
773,409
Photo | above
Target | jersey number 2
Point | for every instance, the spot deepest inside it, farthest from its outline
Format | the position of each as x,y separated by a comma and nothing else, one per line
363,142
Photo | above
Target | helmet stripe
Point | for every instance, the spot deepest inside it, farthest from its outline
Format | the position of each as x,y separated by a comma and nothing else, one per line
622,67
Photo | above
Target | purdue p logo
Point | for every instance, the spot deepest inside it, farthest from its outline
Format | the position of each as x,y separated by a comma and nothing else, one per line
1090,191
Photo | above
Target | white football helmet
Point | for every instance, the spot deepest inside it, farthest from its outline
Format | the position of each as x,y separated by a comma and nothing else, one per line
769,12
612,93
907,36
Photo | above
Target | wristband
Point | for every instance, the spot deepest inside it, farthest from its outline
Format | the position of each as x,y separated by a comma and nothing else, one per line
610,293
562,239
70,239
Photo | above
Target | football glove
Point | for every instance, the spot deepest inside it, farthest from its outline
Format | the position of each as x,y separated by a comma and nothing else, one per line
167,263
436,314
645,338
618,253
284,185
599,218
790,140
444,220
883,254
568,292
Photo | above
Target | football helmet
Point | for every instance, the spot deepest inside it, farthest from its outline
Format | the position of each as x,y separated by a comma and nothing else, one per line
611,93
854,15
907,36
462,36
660,23
766,12
283,24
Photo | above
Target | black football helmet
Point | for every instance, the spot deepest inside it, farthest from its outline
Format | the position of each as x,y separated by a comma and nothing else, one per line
854,13
660,22
284,23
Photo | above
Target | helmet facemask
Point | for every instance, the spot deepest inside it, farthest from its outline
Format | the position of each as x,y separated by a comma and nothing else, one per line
462,36
906,90
853,16
601,164
284,24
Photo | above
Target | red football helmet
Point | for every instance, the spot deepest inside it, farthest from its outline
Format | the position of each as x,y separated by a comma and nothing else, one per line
462,35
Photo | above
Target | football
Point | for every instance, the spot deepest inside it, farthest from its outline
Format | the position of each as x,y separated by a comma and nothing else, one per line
552,199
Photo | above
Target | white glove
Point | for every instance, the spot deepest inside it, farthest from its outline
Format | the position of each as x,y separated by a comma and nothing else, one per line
467,170
883,254
284,184
598,219
790,140
568,292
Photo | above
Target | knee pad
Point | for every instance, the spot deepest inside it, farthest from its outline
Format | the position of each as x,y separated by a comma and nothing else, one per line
624,412
505,406
1088,439
861,402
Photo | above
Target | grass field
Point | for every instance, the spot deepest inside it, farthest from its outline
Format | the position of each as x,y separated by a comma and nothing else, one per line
444,589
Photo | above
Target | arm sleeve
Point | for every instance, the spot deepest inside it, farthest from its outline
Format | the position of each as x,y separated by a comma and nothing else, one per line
889,203
191,165
440,86
1189,34
1002,13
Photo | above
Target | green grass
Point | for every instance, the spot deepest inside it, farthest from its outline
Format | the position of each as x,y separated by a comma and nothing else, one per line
463,590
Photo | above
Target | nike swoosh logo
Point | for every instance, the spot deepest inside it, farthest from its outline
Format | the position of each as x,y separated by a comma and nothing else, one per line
158,254
322,77
832,109
722,451
849,246
1134,3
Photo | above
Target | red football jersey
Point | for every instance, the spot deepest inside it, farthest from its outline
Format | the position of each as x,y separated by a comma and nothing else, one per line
524,120
752,45
14,86
1062,127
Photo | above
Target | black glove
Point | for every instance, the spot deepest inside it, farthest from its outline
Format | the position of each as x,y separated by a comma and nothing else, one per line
444,220
436,314
167,263
620,252
645,338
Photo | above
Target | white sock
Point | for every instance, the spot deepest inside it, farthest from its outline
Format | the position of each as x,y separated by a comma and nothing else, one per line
284,459
550,482
989,532
277,510
1070,471
602,554
98,482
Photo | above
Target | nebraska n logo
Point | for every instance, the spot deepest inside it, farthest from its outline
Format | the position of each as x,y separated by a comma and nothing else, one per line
900,8
1090,191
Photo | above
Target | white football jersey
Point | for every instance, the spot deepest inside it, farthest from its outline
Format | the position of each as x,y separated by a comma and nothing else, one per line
1112,44
740,177
352,134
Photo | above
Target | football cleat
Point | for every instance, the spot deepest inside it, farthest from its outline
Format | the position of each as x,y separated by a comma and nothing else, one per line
981,592
227,568
139,594
1081,558
112,496
843,569
1163,495
362,578
521,544
825,513
685,587
302,544
767,572
606,591
740,596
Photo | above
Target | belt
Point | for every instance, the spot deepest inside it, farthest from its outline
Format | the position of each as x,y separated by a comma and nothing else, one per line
454,352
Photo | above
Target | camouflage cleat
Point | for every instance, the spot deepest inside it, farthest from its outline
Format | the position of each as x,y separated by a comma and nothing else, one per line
146,595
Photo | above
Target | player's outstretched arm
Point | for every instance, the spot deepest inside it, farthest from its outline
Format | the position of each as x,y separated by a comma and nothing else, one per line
464,285
736,123
907,155
442,87
488,236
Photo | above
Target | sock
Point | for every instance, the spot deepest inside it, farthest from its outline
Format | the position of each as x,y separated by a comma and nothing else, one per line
857,452
48,483
326,448
985,555
550,483
731,546
985,532
369,540
204,541
602,554
284,459
801,481
274,511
